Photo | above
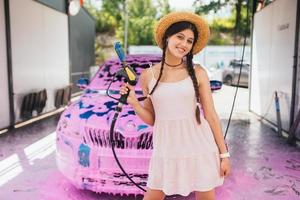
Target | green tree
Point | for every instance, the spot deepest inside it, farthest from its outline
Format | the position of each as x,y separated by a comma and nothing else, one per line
239,11
138,8
141,22
109,17
214,5
115,8
142,16
163,7
221,31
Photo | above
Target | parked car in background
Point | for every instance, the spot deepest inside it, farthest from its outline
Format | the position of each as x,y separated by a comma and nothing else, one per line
231,73
83,148
214,71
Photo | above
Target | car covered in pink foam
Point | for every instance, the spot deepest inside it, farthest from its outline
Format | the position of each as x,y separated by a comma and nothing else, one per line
83,149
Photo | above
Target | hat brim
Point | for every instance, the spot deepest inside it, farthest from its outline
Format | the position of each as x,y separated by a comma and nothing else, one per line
165,22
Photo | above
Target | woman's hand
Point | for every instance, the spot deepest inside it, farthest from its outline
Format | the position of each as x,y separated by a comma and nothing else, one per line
131,99
225,167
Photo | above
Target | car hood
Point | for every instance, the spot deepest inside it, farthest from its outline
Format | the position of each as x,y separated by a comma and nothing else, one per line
96,110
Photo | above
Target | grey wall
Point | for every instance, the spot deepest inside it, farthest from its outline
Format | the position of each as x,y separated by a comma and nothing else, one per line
272,60
59,5
82,41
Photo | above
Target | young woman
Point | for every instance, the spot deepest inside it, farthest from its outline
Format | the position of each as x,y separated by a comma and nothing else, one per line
189,151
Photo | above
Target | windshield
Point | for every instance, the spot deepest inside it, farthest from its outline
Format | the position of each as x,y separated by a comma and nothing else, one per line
106,72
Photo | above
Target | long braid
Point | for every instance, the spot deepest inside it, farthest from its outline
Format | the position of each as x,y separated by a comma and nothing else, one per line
161,69
191,71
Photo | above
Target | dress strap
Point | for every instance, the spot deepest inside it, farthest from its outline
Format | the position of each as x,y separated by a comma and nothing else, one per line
151,69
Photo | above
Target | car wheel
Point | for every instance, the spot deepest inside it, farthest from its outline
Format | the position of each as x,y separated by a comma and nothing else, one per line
228,80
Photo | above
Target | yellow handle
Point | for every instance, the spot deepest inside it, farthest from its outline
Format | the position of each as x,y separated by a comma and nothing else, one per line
130,74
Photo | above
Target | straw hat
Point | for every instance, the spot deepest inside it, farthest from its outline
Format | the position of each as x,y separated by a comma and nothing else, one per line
165,22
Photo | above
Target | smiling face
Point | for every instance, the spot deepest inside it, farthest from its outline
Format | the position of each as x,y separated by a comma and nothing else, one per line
181,43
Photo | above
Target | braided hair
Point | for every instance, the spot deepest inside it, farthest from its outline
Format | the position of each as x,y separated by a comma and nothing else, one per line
173,29
191,71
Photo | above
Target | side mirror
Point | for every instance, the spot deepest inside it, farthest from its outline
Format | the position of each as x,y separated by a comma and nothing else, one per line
82,83
215,85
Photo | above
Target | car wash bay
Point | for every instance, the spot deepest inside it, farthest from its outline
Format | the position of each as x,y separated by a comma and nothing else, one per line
264,166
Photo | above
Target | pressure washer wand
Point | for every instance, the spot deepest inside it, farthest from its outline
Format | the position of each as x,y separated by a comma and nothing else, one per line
126,71
130,77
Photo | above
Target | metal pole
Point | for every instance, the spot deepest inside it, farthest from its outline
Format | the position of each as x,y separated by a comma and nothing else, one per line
277,107
9,64
295,73
126,26
292,112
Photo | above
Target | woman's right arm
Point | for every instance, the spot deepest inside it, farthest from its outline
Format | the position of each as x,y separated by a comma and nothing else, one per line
145,111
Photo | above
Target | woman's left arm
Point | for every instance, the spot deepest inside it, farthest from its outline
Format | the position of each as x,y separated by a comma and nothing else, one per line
212,117
209,109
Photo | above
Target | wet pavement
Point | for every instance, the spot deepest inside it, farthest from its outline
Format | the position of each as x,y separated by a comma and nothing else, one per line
264,166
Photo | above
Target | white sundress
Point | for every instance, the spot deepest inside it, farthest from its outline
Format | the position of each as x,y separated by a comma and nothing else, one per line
185,156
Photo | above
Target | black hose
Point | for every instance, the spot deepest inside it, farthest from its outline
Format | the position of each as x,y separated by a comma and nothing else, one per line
243,52
118,110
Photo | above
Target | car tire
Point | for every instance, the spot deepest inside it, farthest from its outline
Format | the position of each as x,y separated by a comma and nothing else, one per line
228,80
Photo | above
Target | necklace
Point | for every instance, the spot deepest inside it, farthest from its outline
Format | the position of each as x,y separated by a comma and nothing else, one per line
174,65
